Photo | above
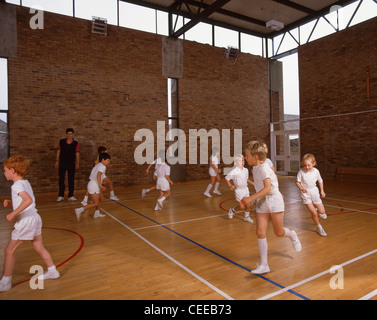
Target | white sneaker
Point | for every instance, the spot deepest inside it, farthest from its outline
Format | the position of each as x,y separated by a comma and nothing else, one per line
217,192
84,203
98,215
157,207
261,269
60,199
49,275
78,212
207,194
231,213
296,243
323,215
321,231
5,287
114,197
72,199
144,192
248,219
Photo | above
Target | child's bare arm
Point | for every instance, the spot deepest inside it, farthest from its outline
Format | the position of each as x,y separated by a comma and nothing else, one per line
26,201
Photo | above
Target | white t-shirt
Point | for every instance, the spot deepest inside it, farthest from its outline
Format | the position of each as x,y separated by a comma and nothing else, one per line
262,172
163,170
239,177
308,179
19,186
99,167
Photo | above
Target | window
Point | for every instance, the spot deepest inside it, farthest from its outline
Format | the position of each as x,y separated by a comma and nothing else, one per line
4,138
172,111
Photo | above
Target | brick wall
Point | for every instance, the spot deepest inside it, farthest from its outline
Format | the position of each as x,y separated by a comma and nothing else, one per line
333,81
65,76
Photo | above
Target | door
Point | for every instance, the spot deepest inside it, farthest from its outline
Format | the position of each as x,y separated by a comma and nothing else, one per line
285,151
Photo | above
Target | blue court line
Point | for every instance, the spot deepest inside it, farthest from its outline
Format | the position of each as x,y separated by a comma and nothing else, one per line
215,253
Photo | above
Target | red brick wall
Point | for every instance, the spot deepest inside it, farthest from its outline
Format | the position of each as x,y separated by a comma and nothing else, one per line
65,76
333,81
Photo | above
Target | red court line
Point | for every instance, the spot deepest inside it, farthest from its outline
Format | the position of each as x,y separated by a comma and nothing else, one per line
66,260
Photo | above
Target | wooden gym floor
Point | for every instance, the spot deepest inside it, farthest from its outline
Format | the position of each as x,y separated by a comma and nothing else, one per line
190,250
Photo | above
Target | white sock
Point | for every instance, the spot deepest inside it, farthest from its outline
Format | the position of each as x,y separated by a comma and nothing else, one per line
217,186
52,268
247,214
162,199
112,193
209,187
263,248
289,234
86,199
6,280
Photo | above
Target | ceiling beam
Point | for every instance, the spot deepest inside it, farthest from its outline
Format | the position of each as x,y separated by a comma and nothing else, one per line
198,18
296,6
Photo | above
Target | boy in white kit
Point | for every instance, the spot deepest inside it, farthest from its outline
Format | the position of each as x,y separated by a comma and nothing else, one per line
29,223
162,184
307,179
240,177
95,187
269,202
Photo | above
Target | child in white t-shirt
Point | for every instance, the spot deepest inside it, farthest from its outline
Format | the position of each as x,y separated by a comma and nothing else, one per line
95,187
240,177
29,222
269,202
307,179
163,184
156,164
214,172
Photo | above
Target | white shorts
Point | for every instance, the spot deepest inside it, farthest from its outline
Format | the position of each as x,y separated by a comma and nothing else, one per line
93,187
241,193
162,184
271,203
212,172
27,227
312,195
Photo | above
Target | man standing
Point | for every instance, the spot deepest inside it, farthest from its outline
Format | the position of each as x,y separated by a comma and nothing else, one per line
67,159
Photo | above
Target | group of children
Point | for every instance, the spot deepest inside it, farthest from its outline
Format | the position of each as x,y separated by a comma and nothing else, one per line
269,201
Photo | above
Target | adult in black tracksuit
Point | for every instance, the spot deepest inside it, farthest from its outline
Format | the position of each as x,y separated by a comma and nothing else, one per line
67,159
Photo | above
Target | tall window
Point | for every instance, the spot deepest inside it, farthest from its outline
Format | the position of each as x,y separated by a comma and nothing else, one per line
173,122
4,138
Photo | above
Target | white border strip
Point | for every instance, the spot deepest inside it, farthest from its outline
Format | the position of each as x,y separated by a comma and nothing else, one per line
369,295
171,258
316,276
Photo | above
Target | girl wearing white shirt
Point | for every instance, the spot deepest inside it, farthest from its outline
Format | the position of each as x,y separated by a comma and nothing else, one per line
307,179
214,173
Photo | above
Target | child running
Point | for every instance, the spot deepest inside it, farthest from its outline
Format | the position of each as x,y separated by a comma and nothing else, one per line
307,179
156,164
269,202
95,187
105,180
240,177
214,173
163,184
29,222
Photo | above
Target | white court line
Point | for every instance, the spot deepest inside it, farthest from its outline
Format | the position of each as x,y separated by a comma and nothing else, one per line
171,258
369,295
177,222
357,202
316,276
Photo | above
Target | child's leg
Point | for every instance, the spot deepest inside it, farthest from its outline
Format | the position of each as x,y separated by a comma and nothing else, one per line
321,210
42,251
314,213
261,231
51,273
9,257
281,231
246,205
97,213
217,183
